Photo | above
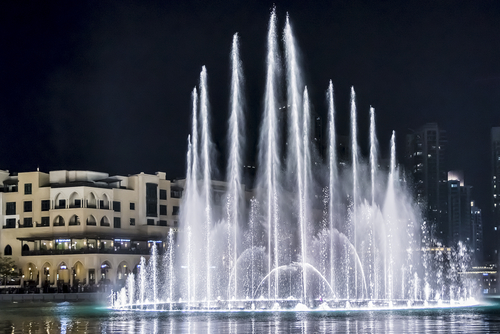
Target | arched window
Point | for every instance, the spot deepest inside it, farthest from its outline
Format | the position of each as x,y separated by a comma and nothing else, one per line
91,201
91,221
75,201
7,251
104,221
74,220
59,221
104,202
26,248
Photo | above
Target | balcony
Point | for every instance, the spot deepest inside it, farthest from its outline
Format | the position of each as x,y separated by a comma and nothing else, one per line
138,251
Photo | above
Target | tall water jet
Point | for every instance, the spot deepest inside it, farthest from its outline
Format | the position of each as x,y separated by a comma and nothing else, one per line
307,177
206,143
269,153
154,272
190,201
142,279
170,266
373,153
373,167
332,177
391,214
131,288
354,155
295,168
234,205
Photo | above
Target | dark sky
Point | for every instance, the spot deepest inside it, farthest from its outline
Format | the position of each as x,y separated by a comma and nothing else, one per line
105,85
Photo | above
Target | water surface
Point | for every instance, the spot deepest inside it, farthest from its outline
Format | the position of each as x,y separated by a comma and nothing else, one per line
88,318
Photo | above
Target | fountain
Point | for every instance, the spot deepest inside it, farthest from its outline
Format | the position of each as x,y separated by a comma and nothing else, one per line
314,233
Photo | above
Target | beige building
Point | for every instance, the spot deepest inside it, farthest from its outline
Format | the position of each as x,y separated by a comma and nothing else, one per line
76,228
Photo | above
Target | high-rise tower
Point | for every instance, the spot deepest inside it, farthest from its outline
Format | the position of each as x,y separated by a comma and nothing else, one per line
425,158
494,226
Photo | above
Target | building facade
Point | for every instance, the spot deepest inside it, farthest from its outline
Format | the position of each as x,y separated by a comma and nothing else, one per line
426,164
459,214
477,228
68,229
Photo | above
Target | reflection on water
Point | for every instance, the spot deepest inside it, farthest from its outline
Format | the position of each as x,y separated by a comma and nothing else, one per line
81,318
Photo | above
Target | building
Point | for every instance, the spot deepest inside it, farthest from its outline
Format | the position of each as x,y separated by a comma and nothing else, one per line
495,195
477,232
426,166
68,229
459,210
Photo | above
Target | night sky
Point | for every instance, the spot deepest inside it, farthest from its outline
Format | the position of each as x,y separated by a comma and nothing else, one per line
105,85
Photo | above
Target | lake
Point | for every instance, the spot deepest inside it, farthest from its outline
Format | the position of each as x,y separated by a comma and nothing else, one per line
83,317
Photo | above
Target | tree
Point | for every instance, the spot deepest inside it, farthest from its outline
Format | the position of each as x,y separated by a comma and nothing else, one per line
8,269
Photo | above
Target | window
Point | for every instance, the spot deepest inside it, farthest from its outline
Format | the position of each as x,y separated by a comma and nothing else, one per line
151,200
151,221
91,276
162,223
45,221
116,206
62,204
10,223
163,210
175,210
28,206
117,222
163,194
27,189
132,206
10,208
7,251
45,205
104,221
59,221
132,221
176,193
28,222
78,203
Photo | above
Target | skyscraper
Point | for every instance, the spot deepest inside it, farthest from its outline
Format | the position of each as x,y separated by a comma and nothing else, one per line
425,159
495,193
495,173
477,232
459,210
